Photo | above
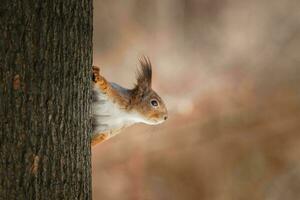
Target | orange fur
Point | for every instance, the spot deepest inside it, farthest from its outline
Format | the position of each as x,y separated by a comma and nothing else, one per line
100,137
106,88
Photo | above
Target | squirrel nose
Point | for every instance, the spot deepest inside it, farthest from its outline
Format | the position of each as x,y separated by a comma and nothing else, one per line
165,117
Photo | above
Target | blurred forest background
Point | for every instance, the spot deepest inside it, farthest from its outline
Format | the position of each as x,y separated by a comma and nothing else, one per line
229,71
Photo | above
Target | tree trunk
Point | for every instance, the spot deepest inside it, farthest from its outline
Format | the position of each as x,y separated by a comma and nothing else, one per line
45,77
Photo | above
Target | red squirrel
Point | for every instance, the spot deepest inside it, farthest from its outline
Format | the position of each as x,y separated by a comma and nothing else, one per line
115,108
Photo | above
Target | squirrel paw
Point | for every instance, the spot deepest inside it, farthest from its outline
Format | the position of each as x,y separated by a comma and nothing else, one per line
96,74
99,138
99,80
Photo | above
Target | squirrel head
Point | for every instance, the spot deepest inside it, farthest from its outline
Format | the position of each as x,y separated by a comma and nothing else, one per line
144,100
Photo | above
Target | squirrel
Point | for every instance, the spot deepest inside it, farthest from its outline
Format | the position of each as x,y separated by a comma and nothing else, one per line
115,108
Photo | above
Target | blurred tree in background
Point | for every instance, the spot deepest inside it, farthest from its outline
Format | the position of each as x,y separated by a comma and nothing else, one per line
229,73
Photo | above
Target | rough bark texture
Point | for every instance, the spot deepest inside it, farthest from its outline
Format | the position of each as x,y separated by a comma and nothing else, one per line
45,76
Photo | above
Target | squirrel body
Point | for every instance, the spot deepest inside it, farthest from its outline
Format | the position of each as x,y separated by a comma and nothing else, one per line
115,108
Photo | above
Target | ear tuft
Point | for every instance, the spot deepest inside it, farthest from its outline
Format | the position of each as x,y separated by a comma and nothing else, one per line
144,74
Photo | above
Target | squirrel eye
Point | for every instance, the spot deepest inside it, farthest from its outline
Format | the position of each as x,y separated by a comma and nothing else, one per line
154,103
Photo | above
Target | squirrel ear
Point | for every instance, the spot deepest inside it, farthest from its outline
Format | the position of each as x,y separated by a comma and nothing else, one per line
144,74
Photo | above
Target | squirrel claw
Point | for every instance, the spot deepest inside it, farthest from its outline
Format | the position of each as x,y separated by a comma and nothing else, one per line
96,74
100,138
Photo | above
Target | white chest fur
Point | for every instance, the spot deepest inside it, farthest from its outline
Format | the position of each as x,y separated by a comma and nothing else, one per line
109,116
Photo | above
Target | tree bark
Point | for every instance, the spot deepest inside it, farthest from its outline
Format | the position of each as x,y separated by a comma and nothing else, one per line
45,87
